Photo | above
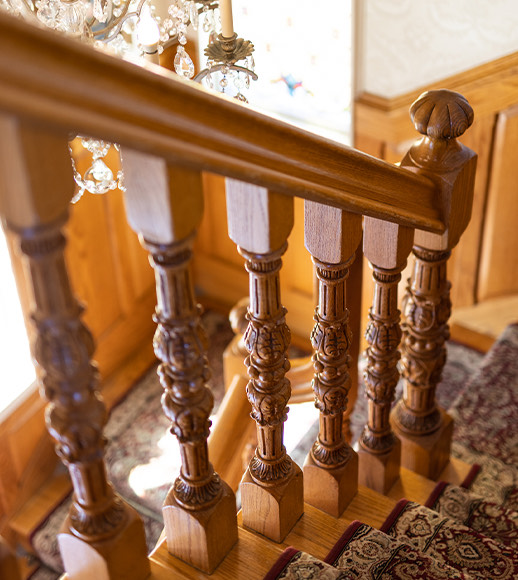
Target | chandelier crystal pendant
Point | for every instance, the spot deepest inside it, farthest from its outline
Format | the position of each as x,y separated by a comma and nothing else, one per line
129,28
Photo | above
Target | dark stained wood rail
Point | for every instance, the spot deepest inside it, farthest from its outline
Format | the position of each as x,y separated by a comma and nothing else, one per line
63,84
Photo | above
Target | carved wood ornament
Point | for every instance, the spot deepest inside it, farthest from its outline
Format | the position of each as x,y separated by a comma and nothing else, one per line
75,413
331,338
267,339
427,308
381,375
441,116
180,343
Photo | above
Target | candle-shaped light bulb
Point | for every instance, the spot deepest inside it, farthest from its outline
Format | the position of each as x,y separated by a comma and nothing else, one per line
148,32
227,23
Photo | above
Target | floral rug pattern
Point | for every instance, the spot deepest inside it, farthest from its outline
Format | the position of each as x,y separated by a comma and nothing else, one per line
366,553
452,543
488,518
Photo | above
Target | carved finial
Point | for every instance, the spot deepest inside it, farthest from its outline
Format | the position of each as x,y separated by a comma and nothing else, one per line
441,114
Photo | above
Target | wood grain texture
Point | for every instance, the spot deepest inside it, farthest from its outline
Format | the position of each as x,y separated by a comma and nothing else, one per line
33,162
498,276
331,469
168,117
198,500
267,222
9,568
75,414
382,129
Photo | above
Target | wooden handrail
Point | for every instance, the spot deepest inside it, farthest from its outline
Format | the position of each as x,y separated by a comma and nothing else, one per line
61,83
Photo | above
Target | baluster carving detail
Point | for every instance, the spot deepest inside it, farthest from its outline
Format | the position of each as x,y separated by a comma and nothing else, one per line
75,414
331,339
381,375
180,343
267,339
427,308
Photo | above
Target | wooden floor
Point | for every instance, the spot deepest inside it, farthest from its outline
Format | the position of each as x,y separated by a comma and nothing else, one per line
315,532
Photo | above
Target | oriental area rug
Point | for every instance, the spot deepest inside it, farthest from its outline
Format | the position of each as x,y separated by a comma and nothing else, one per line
143,460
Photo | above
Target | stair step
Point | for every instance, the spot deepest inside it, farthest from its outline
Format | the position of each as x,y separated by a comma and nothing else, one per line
315,533
417,488
39,506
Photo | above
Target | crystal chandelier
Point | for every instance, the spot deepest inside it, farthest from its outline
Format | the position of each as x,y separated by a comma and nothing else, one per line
137,29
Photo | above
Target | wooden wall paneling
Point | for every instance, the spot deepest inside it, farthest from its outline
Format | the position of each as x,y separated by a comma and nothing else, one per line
382,125
91,264
23,433
297,281
463,266
498,264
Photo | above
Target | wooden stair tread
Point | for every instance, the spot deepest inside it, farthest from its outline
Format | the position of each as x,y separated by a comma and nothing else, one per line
39,506
251,557
315,532
480,325
417,488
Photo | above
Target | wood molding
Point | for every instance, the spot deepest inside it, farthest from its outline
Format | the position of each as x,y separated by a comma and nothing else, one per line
489,88
147,109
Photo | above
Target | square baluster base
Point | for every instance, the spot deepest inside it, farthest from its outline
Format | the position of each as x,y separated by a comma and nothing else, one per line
331,490
427,455
122,557
201,538
379,471
272,510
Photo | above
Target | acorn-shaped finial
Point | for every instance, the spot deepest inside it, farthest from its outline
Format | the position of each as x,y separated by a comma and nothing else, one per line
441,114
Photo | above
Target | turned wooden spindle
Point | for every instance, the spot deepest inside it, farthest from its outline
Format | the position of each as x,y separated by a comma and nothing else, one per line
386,246
271,489
331,468
102,537
425,430
165,206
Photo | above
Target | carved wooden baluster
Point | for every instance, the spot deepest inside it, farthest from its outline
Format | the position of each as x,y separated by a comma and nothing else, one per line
165,206
102,537
386,246
271,489
424,429
331,469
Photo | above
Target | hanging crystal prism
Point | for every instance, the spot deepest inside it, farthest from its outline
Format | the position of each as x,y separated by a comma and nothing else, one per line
193,15
183,64
98,178
102,10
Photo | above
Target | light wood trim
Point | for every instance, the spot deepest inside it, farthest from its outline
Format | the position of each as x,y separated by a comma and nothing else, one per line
386,119
84,91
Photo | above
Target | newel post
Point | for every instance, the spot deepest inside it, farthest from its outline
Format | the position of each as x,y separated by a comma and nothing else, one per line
259,223
424,429
386,245
164,205
102,537
332,237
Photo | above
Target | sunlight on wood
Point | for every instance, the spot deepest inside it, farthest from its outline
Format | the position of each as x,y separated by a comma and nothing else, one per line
15,359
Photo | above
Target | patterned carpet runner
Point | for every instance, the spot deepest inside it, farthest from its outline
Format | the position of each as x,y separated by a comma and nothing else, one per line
366,553
485,413
486,517
296,565
471,534
450,542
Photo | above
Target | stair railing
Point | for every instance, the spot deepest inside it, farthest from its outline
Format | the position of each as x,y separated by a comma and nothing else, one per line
170,130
